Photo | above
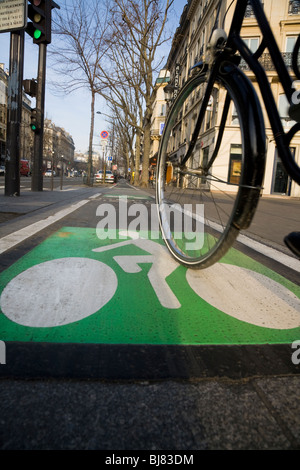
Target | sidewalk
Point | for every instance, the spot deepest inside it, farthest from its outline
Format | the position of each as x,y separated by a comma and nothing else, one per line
29,207
30,201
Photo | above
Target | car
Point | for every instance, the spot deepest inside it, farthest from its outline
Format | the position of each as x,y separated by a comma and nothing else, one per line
109,177
2,170
99,176
49,173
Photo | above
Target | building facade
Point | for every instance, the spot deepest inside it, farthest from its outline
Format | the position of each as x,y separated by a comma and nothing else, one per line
58,144
190,44
58,148
3,112
26,137
159,110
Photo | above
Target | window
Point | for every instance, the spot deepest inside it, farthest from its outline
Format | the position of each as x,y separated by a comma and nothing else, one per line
281,181
283,109
252,43
235,164
234,117
290,43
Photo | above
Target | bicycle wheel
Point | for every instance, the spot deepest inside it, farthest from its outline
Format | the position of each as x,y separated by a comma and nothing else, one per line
210,166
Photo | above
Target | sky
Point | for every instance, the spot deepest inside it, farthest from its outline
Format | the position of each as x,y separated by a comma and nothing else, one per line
72,111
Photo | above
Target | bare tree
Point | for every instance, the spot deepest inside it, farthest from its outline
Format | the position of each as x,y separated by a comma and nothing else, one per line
137,32
144,22
122,135
126,108
121,83
82,27
123,140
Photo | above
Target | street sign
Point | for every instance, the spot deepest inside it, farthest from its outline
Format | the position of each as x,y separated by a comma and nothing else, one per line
104,135
13,15
109,159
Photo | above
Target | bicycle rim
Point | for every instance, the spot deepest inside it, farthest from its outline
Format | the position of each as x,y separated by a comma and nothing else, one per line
203,204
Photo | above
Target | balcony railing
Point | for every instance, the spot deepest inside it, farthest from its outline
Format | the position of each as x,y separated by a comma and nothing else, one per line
249,13
294,7
267,63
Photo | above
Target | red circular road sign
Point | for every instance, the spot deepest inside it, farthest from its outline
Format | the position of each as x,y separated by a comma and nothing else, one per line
104,134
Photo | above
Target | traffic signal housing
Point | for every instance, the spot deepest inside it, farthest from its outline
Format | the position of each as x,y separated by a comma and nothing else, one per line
39,26
35,122
30,87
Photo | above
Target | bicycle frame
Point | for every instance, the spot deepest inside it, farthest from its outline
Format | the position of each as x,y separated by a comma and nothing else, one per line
281,137
236,44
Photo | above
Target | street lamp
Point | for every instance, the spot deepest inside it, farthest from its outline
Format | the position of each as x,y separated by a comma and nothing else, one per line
107,115
168,91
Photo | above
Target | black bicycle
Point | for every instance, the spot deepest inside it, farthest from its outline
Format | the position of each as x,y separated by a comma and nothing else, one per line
209,185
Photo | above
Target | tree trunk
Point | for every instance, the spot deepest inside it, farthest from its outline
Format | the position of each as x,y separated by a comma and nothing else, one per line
90,157
146,153
137,158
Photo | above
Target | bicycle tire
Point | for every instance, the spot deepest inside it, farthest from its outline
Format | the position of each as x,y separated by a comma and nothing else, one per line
227,199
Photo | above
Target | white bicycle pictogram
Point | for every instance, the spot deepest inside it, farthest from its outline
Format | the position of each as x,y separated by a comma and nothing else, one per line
66,290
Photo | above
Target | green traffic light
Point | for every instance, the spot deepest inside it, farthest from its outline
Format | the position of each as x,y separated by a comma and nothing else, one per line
33,127
37,34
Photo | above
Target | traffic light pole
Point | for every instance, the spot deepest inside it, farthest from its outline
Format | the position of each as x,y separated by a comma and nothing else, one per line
37,168
14,114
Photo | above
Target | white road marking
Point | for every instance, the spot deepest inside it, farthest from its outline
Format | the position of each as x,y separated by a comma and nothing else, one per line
133,187
276,255
17,237
246,295
13,239
159,258
51,293
47,294
272,253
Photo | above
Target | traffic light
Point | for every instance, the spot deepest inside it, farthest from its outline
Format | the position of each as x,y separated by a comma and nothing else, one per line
39,13
35,121
30,87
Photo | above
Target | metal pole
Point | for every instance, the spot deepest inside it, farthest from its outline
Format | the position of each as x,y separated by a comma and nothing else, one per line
61,172
14,114
37,170
52,176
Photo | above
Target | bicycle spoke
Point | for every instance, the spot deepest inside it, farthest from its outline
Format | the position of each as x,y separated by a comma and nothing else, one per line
202,185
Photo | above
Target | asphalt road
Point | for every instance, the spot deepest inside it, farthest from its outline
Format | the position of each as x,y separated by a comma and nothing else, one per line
160,398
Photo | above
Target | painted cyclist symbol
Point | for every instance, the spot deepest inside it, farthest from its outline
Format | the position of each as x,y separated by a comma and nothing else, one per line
66,290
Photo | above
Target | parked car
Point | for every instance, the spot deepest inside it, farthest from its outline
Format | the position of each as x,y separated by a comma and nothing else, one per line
2,170
99,176
49,173
109,177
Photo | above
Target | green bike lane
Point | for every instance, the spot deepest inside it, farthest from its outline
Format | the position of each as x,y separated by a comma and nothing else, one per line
77,289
